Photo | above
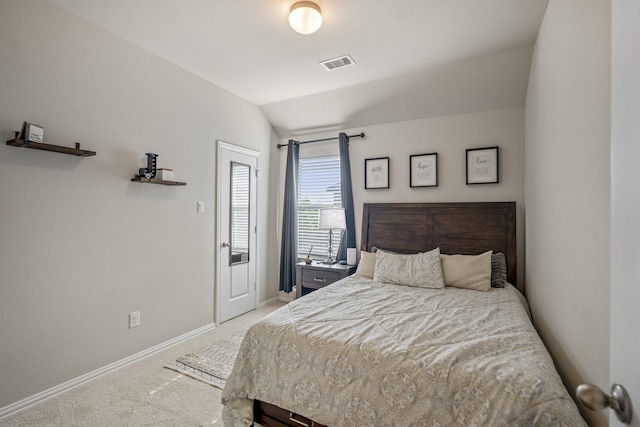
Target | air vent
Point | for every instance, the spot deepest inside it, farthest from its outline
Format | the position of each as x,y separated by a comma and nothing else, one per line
337,63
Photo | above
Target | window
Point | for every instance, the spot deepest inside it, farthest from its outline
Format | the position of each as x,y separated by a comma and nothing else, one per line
240,188
318,187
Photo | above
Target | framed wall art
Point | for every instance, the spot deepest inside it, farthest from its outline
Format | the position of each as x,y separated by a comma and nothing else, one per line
31,132
376,173
423,170
483,165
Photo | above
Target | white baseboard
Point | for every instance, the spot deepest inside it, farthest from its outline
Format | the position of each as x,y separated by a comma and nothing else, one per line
83,379
267,302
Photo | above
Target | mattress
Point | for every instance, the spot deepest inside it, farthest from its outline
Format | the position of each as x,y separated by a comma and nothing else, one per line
364,353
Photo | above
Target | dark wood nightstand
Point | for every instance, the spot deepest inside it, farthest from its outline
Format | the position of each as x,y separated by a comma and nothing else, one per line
310,277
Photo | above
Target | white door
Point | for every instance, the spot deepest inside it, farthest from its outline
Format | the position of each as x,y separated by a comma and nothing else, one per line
624,356
236,231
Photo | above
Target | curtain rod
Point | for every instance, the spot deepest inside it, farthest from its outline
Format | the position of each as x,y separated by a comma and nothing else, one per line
360,135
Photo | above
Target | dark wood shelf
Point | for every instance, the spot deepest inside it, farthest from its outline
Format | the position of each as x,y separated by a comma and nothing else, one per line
156,181
50,147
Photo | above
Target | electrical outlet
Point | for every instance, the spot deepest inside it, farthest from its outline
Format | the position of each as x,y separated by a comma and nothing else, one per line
134,319
200,207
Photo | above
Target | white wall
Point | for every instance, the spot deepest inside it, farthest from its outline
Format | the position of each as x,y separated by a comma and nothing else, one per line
568,189
81,246
449,136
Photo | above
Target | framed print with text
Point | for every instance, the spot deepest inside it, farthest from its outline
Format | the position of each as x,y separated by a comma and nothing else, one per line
376,173
31,132
423,170
483,165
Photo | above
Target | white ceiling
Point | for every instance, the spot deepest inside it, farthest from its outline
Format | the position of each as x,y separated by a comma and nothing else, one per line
415,58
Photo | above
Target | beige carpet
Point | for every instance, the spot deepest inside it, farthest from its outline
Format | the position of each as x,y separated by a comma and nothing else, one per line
144,393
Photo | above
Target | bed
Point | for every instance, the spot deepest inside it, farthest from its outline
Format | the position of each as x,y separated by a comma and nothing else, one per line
363,352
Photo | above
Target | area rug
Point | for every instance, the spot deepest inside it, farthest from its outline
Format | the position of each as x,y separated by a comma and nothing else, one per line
213,363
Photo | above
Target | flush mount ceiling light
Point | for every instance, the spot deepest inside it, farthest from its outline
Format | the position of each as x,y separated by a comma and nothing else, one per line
305,17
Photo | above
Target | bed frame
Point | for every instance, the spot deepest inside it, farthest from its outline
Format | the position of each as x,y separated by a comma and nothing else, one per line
456,228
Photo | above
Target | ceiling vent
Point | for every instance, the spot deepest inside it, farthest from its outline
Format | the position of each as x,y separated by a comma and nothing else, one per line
337,63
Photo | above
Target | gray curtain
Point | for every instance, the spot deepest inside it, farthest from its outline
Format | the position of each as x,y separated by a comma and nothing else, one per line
289,247
348,236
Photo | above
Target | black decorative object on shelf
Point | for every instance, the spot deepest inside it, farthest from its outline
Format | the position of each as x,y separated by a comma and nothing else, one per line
148,174
150,171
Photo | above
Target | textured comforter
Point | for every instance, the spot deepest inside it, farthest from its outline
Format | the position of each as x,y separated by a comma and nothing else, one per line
363,353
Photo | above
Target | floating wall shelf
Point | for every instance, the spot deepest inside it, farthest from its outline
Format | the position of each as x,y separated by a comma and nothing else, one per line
50,147
157,181
150,171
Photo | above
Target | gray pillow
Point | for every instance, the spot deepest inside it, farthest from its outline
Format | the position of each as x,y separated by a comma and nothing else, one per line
498,270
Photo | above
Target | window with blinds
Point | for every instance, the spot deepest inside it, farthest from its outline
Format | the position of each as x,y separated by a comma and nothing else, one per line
318,187
240,182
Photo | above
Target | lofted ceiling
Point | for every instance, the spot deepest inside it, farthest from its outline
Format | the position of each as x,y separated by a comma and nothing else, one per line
414,58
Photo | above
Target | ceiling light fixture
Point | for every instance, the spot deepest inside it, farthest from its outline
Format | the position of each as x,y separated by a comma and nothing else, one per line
305,17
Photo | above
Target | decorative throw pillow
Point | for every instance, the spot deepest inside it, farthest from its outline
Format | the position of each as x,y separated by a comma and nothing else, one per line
498,270
420,270
467,271
367,265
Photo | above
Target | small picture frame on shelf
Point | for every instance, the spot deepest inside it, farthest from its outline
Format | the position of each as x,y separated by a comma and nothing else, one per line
31,133
376,173
483,165
423,170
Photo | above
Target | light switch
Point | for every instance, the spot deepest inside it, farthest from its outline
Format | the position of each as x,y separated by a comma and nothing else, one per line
200,207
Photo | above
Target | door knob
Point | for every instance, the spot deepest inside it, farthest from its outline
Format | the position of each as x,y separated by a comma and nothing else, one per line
226,244
595,399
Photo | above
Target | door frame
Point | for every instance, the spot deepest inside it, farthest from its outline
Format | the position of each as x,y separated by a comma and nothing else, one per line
625,206
226,146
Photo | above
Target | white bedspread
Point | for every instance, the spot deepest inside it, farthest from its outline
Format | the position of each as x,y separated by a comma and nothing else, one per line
363,353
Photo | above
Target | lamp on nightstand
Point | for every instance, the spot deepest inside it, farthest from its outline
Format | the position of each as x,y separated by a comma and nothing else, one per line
331,219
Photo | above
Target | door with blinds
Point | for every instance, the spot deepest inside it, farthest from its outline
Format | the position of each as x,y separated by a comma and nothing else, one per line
236,231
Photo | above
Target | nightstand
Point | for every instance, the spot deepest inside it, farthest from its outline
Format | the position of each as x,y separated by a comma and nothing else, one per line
310,277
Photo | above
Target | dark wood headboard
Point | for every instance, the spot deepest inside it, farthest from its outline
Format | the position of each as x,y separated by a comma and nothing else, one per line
456,228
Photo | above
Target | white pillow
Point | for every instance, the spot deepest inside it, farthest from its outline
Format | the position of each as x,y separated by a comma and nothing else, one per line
420,270
367,265
467,271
